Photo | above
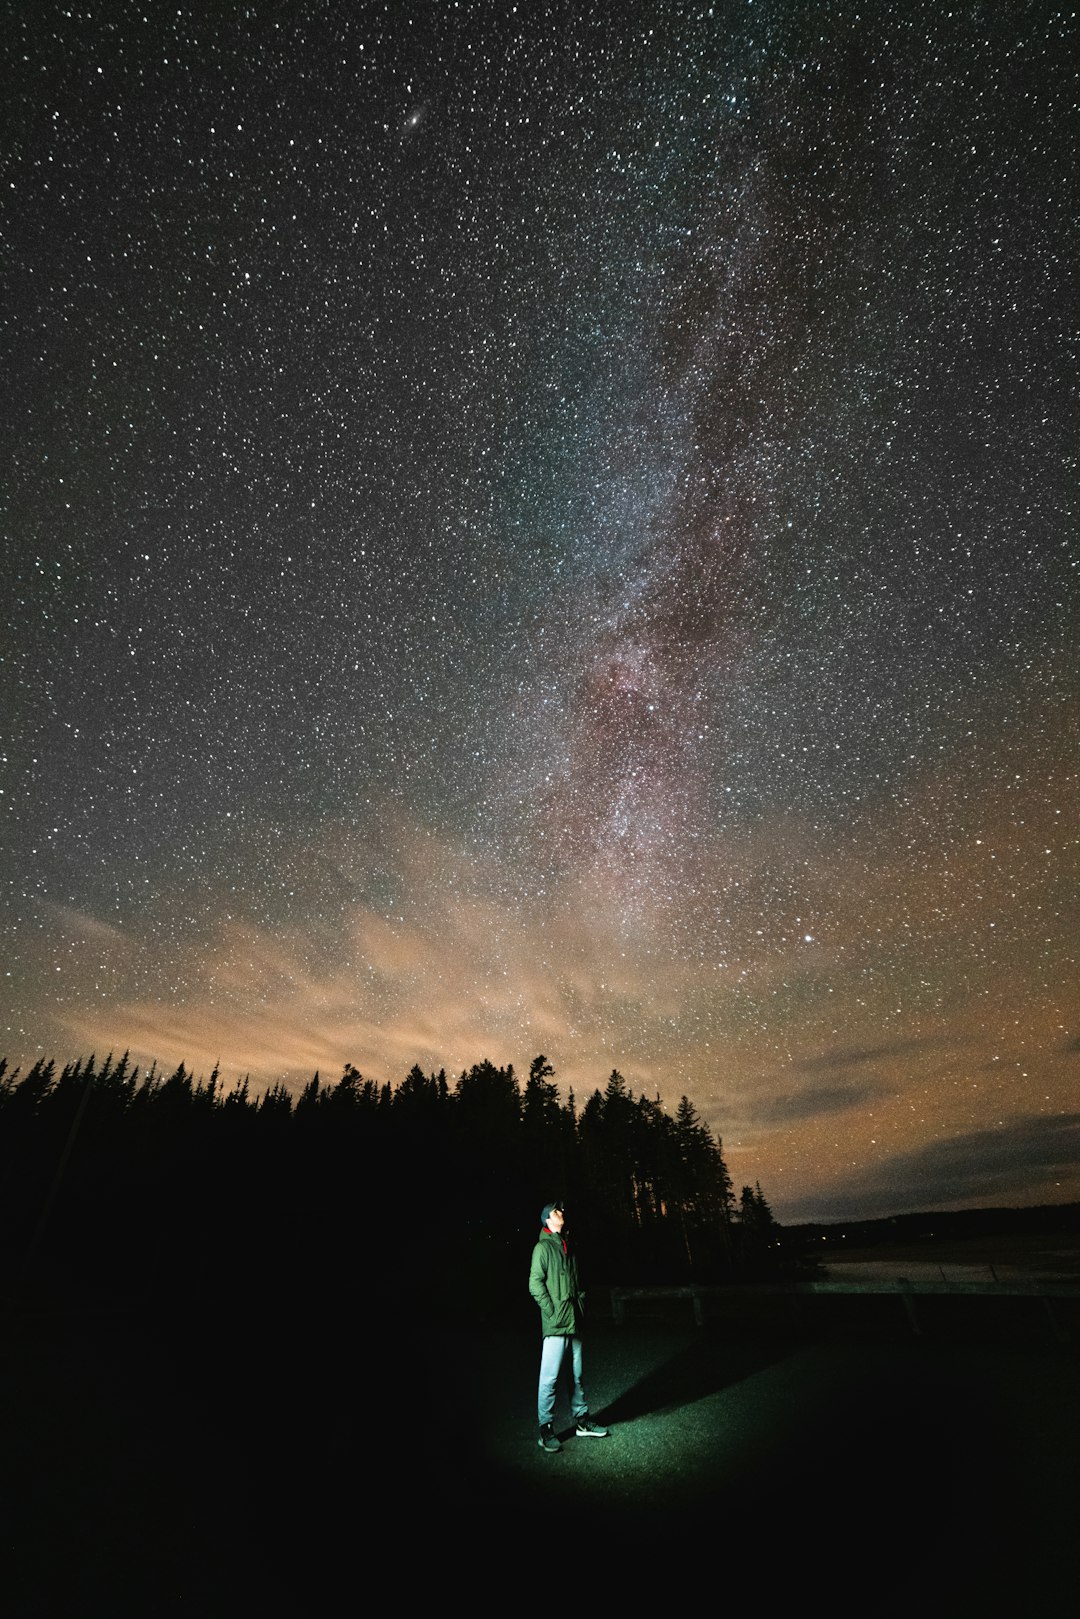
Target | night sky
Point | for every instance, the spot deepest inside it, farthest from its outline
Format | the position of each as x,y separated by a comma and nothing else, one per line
551,528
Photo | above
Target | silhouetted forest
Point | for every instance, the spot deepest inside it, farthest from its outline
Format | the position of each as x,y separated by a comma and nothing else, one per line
139,1180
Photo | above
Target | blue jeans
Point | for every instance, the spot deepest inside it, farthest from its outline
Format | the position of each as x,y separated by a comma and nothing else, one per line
551,1360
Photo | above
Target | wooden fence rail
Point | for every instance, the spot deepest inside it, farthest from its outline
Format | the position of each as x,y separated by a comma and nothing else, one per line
905,1288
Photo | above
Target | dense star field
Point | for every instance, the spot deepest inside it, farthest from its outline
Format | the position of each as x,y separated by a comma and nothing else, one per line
550,528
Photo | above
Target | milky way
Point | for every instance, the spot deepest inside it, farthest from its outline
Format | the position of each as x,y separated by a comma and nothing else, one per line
552,529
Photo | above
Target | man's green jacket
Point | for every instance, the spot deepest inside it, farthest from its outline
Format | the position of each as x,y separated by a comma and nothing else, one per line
553,1283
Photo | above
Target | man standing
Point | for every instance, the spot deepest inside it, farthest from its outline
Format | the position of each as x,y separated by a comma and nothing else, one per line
553,1283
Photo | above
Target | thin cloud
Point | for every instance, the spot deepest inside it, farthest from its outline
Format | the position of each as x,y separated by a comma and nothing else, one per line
842,1057
1026,1160
813,1103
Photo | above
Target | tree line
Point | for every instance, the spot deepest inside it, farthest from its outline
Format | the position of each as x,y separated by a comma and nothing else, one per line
139,1178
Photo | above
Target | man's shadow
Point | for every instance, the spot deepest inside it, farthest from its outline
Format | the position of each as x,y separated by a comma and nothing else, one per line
697,1371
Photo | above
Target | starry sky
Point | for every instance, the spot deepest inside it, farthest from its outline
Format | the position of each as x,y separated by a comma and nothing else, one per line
549,527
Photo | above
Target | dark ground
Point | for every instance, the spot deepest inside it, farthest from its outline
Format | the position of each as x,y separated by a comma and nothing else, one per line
241,1460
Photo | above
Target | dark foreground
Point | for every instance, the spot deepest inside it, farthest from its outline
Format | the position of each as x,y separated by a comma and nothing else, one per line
248,1459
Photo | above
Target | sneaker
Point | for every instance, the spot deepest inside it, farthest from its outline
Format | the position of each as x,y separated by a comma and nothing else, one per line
589,1430
547,1440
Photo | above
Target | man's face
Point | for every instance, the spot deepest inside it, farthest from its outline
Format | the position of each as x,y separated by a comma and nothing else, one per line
556,1220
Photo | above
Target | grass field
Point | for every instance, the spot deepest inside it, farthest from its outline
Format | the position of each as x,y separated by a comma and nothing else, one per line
272,1467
